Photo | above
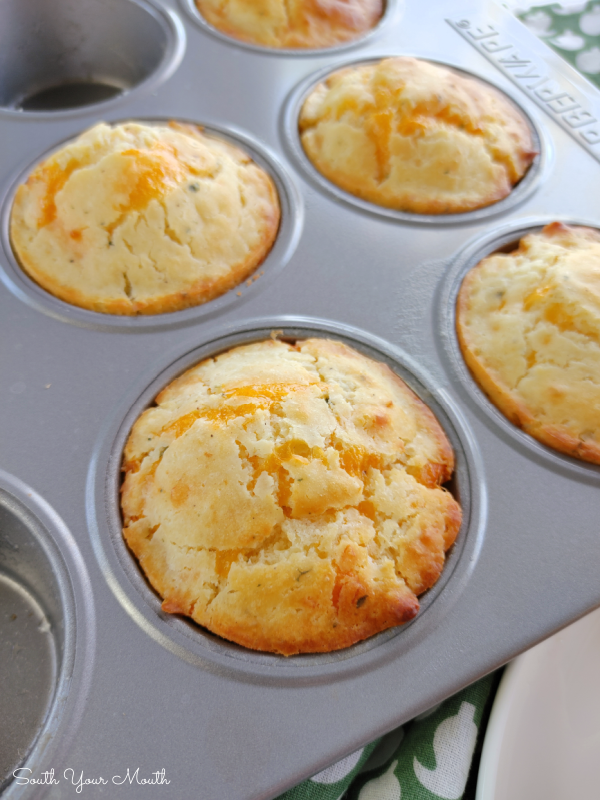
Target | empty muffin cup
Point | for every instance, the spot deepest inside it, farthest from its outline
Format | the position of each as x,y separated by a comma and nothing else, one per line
60,55
36,635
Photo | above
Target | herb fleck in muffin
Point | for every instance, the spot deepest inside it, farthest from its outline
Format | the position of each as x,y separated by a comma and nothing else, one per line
529,328
287,497
143,219
415,137
292,23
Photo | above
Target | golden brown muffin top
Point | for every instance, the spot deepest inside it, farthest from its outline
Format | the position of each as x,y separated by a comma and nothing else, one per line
292,23
529,328
141,219
287,497
410,135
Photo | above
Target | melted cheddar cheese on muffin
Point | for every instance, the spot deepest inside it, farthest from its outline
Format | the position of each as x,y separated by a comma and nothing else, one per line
287,497
529,328
292,23
415,137
143,219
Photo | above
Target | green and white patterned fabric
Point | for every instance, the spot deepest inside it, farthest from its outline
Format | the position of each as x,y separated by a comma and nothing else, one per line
570,28
430,757
427,759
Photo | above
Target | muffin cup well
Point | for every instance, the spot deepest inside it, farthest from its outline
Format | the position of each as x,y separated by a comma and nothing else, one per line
291,139
290,228
504,239
195,644
46,633
54,56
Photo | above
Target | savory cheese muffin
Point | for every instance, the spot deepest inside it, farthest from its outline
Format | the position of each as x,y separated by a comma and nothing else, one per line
287,497
292,23
529,328
415,137
142,219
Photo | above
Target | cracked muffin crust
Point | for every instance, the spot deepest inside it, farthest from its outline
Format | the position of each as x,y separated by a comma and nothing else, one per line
287,497
528,324
142,219
292,23
415,137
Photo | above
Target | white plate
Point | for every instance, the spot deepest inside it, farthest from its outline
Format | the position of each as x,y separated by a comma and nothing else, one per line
543,737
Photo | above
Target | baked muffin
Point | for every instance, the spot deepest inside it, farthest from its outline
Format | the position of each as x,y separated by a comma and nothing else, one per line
287,497
529,328
292,23
142,219
415,137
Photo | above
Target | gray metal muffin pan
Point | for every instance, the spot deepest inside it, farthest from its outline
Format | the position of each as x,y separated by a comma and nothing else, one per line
110,682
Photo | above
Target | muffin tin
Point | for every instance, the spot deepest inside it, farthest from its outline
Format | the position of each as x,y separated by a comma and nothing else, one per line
124,686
